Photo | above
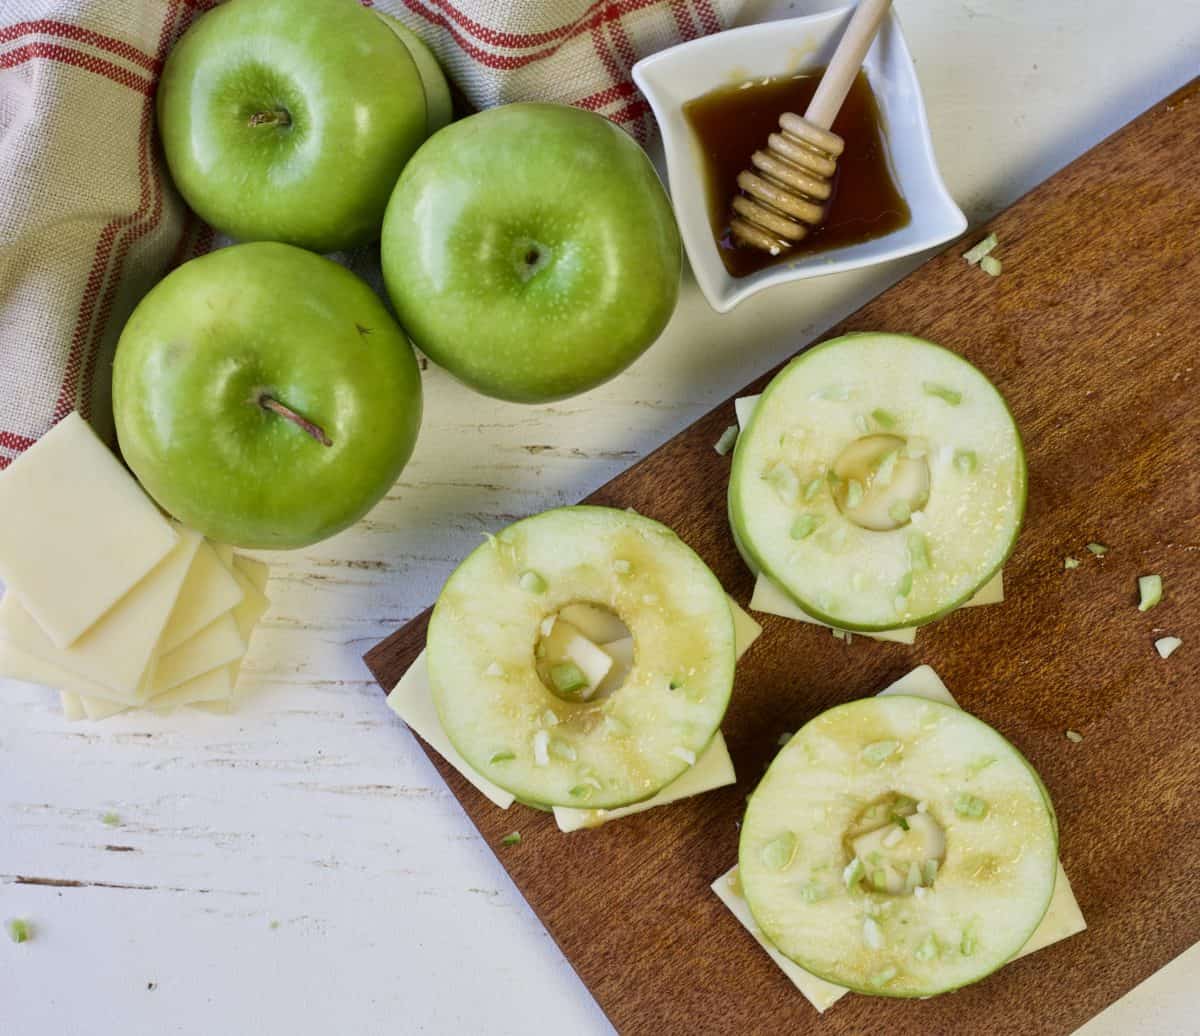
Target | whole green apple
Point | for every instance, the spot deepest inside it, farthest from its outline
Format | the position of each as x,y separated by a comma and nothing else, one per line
264,396
290,122
531,251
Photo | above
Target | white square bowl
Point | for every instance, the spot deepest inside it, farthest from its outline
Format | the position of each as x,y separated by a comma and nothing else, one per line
673,77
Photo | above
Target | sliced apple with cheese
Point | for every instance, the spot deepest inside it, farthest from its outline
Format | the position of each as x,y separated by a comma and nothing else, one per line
926,896
878,482
545,743
412,700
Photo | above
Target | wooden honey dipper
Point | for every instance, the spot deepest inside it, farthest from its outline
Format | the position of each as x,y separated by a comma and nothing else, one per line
786,196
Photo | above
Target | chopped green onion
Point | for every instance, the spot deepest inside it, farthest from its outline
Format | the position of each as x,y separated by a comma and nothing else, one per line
854,493
501,757
1149,592
813,488
853,872
541,744
973,254
804,526
561,750
1167,646
784,481
948,395
882,978
883,418
886,469
19,930
1099,549
900,821
918,551
1070,563
273,925
110,820
967,805
728,438
879,751
965,461
991,265
567,678
532,583
913,878
899,511
1074,736
581,791
872,934
513,838
779,852
929,871
928,948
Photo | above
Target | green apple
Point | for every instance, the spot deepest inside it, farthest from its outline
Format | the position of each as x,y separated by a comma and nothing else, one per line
439,105
283,122
880,482
898,846
265,396
531,251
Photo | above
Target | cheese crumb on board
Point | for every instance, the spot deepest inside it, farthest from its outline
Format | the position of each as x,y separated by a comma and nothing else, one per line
1063,917
78,533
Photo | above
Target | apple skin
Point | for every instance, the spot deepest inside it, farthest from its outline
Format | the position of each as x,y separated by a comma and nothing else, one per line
203,345
531,251
355,107
439,105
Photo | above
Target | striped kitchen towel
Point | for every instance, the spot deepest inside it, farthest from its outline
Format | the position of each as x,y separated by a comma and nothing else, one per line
88,219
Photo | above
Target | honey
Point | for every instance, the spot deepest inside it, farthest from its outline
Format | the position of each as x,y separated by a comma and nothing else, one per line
731,123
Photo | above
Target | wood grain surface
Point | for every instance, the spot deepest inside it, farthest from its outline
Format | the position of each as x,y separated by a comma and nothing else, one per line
1093,334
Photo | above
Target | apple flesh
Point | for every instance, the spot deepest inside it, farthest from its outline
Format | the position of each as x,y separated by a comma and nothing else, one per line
289,124
264,396
531,251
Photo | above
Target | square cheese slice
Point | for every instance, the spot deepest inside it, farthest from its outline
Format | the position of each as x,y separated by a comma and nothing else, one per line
71,705
1063,916
209,591
249,611
116,652
215,685
218,644
78,531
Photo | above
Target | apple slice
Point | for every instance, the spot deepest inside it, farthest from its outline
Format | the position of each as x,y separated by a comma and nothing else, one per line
899,846
543,742
879,482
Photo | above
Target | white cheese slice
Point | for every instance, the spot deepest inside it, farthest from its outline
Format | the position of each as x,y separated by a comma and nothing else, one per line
258,572
71,705
745,630
992,592
209,591
218,644
769,598
1063,917
101,708
115,652
215,685
412,700
252,607
744,407
565,644
713,769
78,532
20,665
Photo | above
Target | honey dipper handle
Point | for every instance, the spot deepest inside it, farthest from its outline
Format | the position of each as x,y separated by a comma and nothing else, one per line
846,62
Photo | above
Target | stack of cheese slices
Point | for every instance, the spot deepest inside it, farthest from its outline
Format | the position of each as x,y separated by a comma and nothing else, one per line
107,600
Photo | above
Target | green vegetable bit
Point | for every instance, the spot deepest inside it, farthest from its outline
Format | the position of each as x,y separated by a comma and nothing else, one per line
967,805
728,438
918,551
19,930
979,250
928,948
511,839
1074,736
899,511
804,526
854,493
883,418
779,852
581,791
1150,591
532,583
812,489
1099,549
943,392
880,751
991,265
886,469
110,820
1070,563
853,873
900,821
965,461
882,978
501,757
567,678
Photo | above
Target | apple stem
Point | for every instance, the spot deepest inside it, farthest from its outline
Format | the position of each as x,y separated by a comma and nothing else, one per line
269,402
273,117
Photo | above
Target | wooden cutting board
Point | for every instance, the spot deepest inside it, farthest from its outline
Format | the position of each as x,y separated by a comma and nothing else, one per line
1093,334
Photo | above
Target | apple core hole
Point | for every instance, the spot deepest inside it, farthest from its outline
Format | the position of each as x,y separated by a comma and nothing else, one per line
583,652
898,843
880,481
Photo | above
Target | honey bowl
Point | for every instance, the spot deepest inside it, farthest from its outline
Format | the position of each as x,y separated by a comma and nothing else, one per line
673,78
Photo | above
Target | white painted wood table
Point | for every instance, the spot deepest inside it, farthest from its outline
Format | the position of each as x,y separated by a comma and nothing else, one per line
298,866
